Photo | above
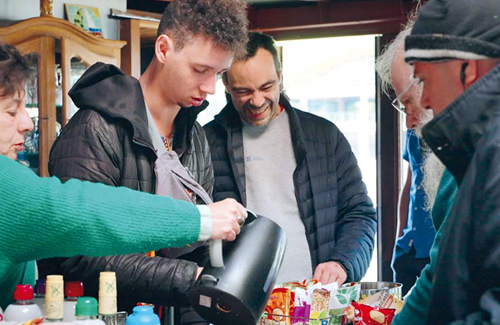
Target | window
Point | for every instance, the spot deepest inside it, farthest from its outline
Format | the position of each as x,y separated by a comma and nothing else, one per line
337,82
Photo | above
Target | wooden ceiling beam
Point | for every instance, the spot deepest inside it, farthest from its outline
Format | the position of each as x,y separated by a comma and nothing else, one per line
316,18
331,18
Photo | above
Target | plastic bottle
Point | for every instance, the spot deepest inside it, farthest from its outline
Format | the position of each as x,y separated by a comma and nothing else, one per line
86,312
143,315
54,298
39,298
73,290
24,309
107,298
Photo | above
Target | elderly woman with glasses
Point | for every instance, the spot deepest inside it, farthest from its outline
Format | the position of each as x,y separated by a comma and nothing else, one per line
42,218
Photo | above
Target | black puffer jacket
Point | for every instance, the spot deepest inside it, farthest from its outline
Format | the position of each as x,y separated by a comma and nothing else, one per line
108,141
466,138
338,215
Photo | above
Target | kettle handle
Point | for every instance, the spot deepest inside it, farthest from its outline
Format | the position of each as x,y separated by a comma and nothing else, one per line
215,248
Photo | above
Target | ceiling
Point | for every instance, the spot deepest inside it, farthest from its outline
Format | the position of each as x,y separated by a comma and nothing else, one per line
159,5
291,19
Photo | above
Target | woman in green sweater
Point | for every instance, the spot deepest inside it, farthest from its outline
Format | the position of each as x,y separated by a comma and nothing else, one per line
42,218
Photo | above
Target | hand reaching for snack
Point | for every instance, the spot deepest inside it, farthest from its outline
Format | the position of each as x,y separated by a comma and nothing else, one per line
330,272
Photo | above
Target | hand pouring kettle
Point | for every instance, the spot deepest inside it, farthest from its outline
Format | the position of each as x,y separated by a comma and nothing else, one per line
237,291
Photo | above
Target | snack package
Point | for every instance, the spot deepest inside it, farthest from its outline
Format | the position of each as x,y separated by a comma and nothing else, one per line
368,315
278,306
308,300
342,297
319,306
301,309
292,286
383,300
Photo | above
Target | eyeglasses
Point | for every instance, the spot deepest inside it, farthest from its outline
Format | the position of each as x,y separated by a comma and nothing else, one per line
396,103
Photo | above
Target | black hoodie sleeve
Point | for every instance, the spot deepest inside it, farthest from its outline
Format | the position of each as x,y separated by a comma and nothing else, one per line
139,278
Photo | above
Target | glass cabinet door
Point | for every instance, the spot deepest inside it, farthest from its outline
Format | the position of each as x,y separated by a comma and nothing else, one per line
30,154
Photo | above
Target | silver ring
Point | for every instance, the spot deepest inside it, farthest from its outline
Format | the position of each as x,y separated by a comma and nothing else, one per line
241,220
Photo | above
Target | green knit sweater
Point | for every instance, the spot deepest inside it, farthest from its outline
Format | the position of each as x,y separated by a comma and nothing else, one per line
41,218
416,305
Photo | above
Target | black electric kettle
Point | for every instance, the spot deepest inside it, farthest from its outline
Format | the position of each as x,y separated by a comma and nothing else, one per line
236,292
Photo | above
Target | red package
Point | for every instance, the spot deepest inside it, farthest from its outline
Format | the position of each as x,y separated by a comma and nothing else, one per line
367,315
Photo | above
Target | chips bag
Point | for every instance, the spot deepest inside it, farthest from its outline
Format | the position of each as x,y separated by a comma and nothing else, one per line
367,315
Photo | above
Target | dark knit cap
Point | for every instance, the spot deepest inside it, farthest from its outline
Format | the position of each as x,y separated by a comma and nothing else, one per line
455,30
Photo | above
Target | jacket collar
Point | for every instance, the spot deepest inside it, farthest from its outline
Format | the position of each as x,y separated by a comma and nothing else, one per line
107,90
229,119
454,134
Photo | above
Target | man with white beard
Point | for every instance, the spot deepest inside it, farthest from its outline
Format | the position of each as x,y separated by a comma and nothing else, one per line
436,181
415,228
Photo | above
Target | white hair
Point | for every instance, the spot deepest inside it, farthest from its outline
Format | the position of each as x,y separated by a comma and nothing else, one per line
384,61
424,117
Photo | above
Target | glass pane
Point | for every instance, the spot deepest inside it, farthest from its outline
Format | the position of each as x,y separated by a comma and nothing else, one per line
337,82
78,68
30,156
217,103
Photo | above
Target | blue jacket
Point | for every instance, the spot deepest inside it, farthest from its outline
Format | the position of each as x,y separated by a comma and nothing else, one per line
338,215
419,232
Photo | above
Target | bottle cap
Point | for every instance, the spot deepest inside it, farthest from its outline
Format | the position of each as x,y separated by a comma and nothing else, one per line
40,287
73,289
23,292
55,278
143,315
86,306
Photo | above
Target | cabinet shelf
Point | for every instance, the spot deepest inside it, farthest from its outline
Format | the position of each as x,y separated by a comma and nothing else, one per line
46,36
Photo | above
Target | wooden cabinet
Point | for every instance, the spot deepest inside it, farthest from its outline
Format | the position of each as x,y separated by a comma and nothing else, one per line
57,41
137,34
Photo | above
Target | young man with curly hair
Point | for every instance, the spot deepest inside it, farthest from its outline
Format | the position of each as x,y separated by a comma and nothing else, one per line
143,134
83,211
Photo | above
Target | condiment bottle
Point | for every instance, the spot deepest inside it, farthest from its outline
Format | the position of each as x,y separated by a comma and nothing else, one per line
54,298
39,294
86,312
72,291
143,315
107,298
24,309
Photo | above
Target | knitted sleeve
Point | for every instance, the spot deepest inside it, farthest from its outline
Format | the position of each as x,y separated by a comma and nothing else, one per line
416,308
41,218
